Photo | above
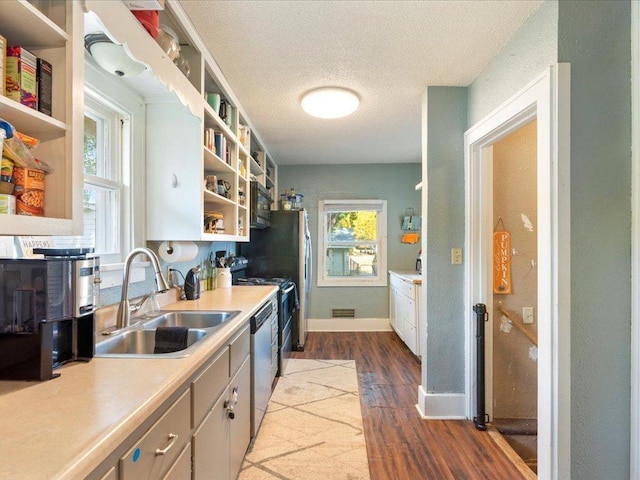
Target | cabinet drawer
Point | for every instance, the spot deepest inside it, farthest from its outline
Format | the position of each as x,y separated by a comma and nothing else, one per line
181,469
408,289
395,280
144,459
239,350
209,385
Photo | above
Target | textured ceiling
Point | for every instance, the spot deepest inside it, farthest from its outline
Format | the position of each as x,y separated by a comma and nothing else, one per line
271,52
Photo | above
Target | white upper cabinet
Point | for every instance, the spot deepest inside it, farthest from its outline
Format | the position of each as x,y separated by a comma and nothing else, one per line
199,161
56,36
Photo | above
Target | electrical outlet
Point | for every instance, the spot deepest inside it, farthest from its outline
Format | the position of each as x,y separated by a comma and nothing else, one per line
527,314
456,256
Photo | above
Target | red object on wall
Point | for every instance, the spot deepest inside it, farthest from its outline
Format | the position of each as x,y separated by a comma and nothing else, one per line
150,20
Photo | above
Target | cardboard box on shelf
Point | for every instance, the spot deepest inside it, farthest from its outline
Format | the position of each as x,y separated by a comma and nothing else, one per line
20,73
44,73
29,191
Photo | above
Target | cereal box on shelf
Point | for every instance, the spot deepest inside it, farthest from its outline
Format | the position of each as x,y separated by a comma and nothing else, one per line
44,73
21,76
29,191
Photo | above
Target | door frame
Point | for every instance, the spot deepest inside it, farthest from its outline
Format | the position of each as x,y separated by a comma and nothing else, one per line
547,99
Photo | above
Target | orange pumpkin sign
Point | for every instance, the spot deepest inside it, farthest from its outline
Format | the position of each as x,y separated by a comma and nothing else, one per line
502,262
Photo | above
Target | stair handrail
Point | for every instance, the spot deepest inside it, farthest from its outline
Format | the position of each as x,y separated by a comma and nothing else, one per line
516,323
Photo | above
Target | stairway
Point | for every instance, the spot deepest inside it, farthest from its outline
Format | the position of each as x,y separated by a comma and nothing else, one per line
522,435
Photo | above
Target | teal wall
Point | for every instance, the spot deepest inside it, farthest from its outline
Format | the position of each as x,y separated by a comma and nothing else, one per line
391,182
529,53
446,123
595,38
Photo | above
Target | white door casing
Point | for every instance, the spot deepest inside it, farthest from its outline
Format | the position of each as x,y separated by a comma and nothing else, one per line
546,99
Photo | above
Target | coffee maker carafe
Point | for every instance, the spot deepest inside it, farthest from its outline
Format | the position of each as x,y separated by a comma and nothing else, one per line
47,312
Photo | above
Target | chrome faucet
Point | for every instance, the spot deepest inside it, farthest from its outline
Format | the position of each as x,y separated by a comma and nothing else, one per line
124,309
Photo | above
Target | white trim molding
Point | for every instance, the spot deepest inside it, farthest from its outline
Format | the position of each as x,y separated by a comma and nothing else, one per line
441,406
349,325
546,99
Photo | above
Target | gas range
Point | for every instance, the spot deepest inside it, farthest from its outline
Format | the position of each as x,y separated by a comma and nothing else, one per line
279,281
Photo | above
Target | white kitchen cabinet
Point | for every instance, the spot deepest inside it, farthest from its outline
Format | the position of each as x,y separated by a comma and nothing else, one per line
57,36
178,121
404,309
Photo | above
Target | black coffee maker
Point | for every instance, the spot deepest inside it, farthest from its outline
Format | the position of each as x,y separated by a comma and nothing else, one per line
47,313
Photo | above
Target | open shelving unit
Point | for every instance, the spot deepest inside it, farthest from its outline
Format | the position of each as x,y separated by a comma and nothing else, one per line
54,36
180,159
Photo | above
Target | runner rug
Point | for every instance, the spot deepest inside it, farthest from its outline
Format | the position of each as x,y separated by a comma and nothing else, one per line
313,426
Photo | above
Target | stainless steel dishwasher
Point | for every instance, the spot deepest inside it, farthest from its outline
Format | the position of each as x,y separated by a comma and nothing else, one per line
261,361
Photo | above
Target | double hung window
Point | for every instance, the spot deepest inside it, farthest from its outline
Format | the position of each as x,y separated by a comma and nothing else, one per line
353,243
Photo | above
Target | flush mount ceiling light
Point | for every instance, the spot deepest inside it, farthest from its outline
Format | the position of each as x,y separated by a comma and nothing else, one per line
112,57
330,102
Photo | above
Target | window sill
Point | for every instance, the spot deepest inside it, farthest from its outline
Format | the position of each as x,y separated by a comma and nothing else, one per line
381,282
112,274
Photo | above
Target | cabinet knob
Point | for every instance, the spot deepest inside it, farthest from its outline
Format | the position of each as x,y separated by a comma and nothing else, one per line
174,180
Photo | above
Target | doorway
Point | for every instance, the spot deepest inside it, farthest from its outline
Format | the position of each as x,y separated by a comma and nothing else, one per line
512,354
544,106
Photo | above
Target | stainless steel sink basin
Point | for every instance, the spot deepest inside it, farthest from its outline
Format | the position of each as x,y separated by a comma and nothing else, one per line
192,319
139,340
141,343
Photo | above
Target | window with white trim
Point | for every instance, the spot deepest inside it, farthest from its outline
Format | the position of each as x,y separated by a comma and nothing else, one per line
106,137
106,162
352,243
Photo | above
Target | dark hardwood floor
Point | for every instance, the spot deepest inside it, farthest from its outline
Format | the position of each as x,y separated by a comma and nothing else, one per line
400,445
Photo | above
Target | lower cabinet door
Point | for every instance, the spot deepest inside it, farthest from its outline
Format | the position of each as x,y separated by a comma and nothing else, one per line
240,426
211,444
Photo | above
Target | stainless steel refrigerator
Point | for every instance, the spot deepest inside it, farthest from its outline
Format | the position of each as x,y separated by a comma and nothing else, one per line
284,250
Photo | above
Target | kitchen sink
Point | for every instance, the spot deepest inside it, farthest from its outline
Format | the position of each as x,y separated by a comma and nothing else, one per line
192,319
141,343
138,340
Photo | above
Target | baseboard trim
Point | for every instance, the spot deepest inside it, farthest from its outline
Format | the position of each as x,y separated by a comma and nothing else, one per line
349,325
441,406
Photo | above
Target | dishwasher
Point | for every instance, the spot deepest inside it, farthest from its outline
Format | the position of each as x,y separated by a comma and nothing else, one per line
261,360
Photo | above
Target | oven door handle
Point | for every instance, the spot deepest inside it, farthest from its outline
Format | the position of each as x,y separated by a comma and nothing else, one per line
288,290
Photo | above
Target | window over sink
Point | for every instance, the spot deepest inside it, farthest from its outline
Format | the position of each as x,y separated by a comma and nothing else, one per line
353,243
114,163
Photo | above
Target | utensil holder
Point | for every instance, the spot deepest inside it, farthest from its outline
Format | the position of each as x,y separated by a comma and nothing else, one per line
223,277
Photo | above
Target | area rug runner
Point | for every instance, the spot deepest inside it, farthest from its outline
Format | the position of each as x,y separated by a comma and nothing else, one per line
313,426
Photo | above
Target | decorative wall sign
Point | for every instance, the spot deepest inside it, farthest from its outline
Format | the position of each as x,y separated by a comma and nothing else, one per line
27,244
502,262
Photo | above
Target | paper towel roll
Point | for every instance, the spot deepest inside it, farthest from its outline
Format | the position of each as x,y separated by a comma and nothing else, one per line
172,252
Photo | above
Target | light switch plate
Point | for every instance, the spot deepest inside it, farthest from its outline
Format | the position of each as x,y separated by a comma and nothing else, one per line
456,256
527,314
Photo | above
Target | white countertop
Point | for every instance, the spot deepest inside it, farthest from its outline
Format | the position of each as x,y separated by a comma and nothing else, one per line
65,427
412,276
